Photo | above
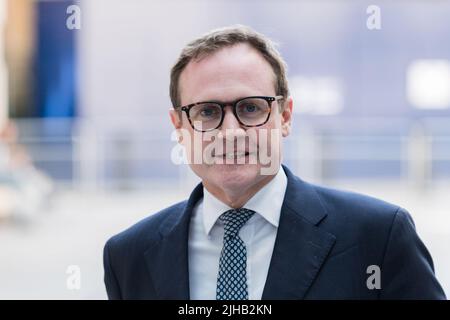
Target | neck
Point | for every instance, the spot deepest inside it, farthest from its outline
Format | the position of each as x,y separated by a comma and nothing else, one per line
235,198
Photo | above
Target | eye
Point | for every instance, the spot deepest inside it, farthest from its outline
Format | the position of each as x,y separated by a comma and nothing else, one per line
205,112
250,108
208,111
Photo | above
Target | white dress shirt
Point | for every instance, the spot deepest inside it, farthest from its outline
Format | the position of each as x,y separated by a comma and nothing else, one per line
259,233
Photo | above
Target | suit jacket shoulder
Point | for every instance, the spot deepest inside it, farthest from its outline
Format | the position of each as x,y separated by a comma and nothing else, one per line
373,233
125,271
356,217
148,230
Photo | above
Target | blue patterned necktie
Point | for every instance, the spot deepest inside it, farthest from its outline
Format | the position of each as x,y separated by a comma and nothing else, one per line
232,278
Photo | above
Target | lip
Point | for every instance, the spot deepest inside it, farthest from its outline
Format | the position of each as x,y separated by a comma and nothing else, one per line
246,152
235,154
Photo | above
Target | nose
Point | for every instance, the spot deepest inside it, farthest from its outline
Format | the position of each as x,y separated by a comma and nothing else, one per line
230,128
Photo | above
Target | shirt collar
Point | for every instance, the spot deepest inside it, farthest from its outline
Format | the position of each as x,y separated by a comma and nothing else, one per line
267,202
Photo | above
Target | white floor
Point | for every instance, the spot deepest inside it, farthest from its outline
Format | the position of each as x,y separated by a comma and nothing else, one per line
35,255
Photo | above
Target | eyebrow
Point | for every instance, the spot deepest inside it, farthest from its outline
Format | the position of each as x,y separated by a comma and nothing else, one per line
222,101
226,102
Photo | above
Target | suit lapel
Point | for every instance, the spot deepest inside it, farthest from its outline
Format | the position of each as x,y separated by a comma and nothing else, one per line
167,260
300,247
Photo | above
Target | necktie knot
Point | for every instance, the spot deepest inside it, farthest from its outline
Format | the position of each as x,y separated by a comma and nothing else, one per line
234,219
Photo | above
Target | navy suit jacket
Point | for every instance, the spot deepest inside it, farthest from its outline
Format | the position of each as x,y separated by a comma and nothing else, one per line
325,243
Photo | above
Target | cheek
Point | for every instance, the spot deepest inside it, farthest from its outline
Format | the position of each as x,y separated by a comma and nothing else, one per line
198,146
275,118
270,130
189,141
269,139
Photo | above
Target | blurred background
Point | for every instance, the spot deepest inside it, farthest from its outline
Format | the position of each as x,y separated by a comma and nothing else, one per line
85,137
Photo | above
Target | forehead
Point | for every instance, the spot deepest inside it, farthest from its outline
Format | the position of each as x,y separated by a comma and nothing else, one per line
228,74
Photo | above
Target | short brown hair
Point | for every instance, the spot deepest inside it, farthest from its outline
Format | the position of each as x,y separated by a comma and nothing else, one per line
217,39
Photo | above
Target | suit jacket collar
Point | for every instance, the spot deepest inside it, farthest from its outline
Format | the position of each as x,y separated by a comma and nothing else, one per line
300,249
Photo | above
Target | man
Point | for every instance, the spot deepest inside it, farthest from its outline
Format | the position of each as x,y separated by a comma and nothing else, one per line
252,229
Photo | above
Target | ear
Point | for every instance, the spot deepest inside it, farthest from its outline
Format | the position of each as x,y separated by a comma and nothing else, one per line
175,118
286,116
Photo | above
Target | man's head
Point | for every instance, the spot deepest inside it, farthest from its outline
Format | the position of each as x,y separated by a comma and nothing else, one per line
225,66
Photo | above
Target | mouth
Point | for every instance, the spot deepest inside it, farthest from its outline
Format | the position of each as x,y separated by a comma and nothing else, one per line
233,155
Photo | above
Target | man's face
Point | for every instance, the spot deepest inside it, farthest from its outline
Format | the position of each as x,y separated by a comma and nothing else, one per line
232,73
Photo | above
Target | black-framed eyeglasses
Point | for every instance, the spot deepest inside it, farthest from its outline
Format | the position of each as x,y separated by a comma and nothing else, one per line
251,111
